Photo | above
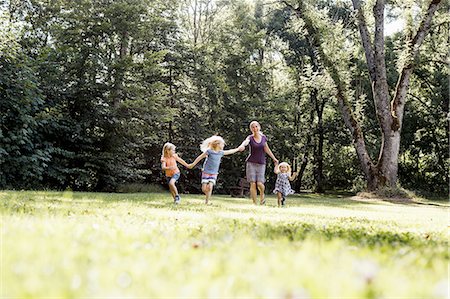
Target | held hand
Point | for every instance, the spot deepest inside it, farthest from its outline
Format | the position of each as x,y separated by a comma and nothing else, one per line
241,148
276,161
190,166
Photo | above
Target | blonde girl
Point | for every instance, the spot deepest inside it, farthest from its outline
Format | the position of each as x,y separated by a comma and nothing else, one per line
255,167
169,161
282,185
212,150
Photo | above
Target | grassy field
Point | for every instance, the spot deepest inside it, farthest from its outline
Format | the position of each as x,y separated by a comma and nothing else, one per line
72,245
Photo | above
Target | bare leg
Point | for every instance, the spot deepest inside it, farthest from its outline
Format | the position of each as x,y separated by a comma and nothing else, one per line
173,188
253,191
261,189
279,196
207,189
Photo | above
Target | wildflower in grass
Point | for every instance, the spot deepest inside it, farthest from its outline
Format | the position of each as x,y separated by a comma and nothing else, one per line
367,270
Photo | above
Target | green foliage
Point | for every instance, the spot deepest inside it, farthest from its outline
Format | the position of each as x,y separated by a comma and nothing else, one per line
425,160
23,152
91,90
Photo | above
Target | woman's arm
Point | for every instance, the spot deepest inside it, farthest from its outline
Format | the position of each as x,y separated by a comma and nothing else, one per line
245,142
269,152
198,159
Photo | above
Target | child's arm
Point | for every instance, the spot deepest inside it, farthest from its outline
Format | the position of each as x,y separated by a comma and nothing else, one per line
181,161
276,169
293,176
198,159
232,151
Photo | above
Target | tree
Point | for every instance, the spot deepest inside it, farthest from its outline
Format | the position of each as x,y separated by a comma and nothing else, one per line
389,110
24,154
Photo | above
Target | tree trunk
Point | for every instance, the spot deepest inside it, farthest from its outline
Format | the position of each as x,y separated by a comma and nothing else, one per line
318,149
389,115
298,181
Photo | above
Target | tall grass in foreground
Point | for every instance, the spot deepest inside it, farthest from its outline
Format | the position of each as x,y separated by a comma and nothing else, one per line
56,244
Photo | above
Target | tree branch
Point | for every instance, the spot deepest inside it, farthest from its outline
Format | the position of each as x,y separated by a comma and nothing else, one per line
365,38
424,27
349,118
398,103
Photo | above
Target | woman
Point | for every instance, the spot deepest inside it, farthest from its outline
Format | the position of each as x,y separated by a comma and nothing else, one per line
256,161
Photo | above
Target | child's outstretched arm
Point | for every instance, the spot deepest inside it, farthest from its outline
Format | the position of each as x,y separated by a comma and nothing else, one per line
198,159
181,161
293,176
232,151
276,169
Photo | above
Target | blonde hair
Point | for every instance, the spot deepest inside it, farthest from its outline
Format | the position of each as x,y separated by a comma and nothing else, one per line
287,165
167,146
256,122
208,142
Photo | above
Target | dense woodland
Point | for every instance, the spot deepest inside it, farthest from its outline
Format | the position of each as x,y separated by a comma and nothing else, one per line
90,90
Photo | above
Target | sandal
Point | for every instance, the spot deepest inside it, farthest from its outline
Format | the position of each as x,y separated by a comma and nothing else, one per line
263,202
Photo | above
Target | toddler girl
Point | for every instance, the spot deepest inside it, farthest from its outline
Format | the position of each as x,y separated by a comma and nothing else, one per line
212,149
169,161
282,185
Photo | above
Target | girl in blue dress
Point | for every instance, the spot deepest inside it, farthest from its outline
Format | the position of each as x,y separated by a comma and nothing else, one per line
212,149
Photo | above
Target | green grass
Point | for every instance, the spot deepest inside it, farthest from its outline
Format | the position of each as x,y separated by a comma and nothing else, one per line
72,245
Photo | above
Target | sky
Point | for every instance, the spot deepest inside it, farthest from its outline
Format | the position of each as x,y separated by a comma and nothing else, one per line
393,27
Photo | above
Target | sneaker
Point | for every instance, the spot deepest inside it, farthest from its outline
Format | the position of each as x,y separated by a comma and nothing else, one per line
177,199
283,201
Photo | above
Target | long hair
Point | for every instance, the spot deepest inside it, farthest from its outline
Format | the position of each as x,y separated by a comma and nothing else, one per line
167,146
206,144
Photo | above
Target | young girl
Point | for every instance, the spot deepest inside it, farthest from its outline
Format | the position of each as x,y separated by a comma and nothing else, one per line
282,185
212,149
169,161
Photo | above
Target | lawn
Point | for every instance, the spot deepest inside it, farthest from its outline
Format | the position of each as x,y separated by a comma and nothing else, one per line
69,244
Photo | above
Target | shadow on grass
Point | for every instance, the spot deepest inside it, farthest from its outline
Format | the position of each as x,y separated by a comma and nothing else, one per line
357,236
329,200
